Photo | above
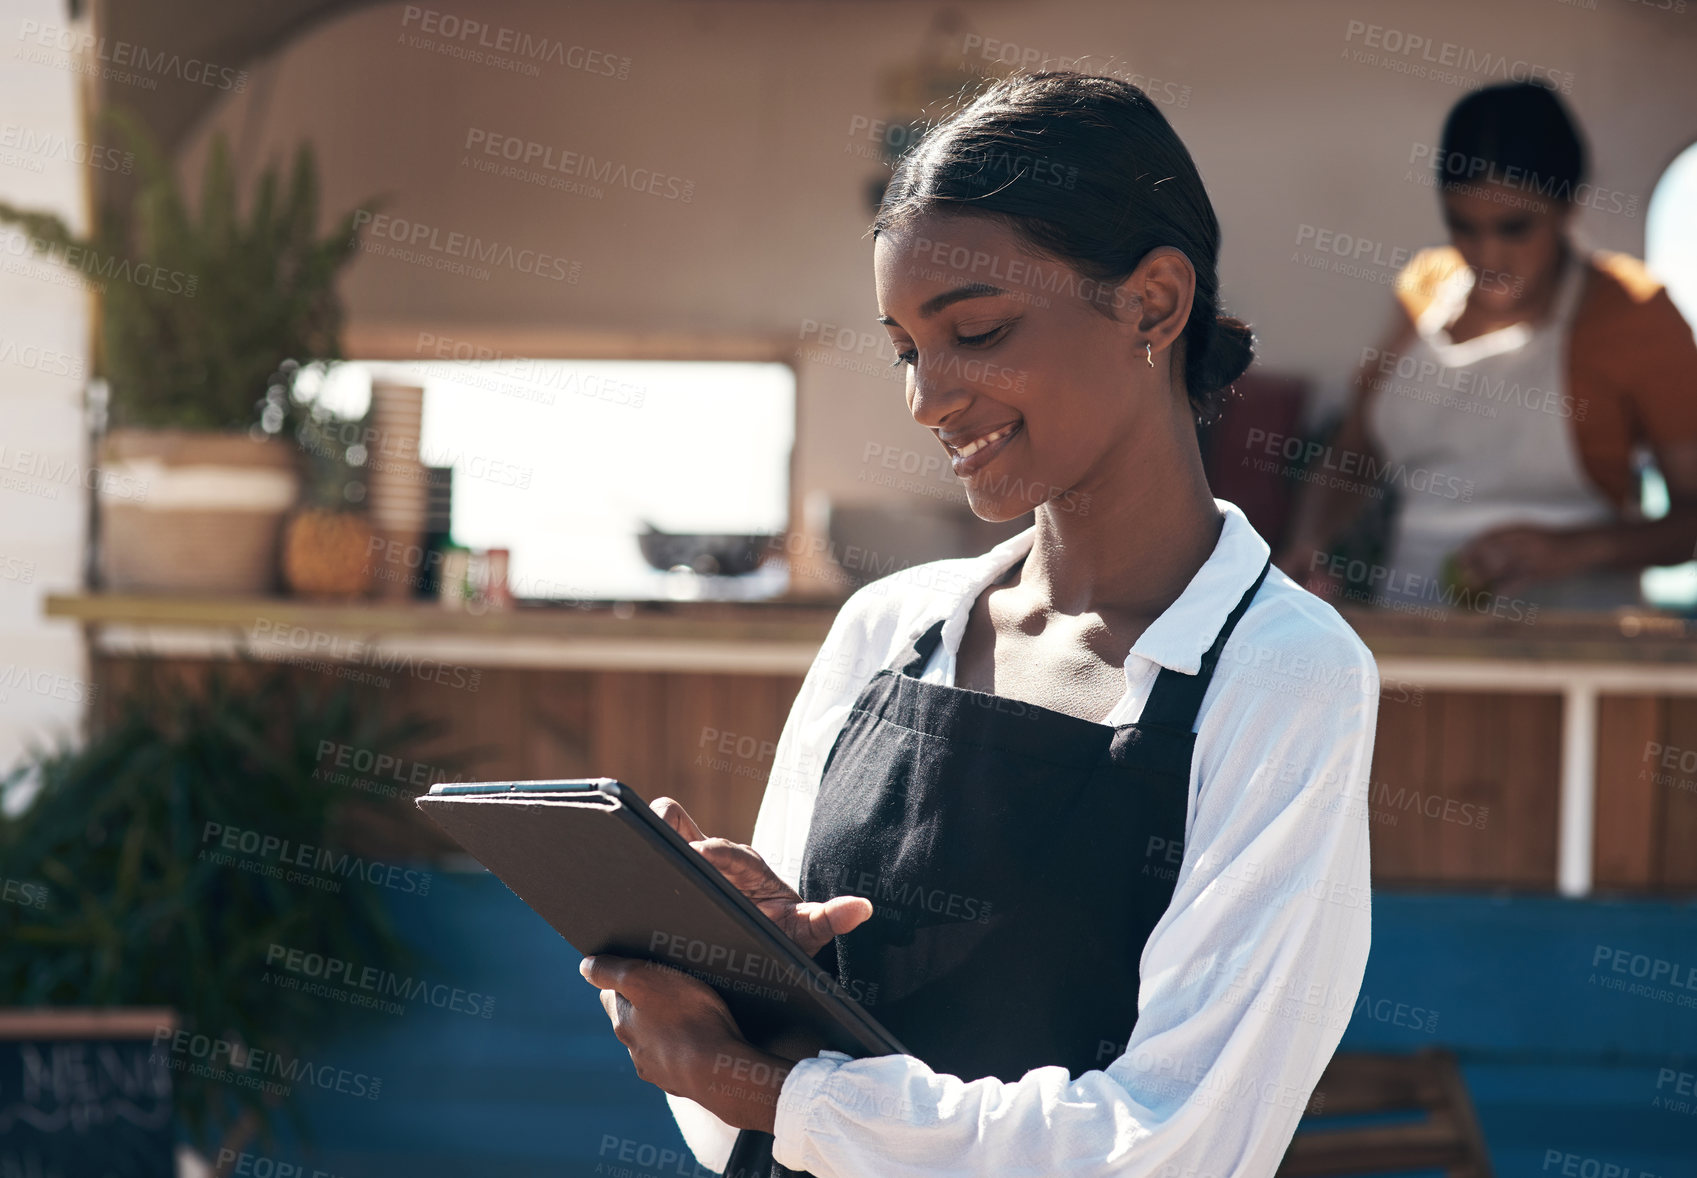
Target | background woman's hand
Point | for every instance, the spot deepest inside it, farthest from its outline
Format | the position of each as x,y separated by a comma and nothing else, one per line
810,924
1505,560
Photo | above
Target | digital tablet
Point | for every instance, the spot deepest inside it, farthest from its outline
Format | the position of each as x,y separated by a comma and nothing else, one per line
596,863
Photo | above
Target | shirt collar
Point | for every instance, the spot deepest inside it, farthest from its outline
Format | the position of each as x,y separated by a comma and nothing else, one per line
1185,630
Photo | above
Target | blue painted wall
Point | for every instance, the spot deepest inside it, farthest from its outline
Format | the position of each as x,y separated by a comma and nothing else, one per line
1558,1062
1559,1065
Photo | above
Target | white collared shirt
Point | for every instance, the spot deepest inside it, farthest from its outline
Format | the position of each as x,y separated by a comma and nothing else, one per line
1248,979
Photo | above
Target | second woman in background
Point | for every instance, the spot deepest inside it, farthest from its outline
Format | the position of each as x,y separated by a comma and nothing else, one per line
1524,372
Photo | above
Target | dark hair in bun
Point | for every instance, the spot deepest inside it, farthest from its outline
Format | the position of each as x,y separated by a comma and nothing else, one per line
1514,126
1093,175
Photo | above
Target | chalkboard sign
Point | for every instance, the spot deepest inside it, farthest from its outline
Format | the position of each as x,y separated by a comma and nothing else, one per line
83,1096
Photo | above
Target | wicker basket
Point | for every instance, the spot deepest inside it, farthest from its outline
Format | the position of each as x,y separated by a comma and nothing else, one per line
191,512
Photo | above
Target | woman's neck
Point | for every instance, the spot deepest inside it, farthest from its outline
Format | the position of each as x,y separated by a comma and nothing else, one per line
1134,537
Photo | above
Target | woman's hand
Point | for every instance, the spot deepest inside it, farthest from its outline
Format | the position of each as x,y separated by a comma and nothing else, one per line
680,1034
810,924
682,1039
1505,560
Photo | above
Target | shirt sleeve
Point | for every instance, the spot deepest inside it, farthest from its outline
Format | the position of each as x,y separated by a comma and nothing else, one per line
1247,982
708,1138
838,671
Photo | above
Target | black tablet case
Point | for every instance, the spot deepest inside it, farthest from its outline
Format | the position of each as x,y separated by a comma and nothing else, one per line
597,864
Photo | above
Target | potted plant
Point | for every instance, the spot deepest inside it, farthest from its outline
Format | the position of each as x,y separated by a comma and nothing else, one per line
145,903
199,311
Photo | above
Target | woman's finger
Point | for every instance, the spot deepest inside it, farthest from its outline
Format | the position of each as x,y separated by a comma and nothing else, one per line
609,971
818,922
843,913
610,1004
673,814
620,1012
722,853
744,867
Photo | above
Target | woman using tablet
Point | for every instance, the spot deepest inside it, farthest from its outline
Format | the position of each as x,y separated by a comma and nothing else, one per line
1083,819
1523,370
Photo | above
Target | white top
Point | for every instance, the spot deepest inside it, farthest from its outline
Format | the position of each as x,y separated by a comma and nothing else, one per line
1249,978
1480,435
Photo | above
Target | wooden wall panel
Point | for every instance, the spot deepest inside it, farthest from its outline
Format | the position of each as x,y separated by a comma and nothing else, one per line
1519,760
1401,766
1538,729
1465,790
700,715
1677,786
707,740
724,731
1647,795
628,740
1629,810
490,724
558,741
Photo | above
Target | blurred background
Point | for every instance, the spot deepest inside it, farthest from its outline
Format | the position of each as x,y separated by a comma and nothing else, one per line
399,393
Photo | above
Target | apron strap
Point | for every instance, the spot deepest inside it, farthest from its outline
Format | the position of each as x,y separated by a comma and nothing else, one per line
911,662
1176,697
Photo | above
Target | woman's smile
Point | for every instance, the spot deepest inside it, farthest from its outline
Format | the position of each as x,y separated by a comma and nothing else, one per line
978,451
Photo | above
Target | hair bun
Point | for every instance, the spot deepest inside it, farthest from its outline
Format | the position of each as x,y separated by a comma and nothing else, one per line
1224,354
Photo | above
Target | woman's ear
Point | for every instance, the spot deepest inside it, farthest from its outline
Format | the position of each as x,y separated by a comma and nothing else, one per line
1157,295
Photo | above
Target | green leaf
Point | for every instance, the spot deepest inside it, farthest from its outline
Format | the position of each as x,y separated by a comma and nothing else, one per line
231,299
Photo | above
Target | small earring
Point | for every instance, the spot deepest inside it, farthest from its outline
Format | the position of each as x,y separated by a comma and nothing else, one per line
1149,351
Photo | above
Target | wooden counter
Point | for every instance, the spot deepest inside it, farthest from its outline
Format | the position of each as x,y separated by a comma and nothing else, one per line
725,637
1577,731
1624,638
1557,754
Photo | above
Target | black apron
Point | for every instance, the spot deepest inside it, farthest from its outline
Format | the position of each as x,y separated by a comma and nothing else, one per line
998,840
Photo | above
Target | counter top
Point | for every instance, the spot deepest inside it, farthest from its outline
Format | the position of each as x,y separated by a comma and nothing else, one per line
784,632
1642,636
719,621
708,637
1580,658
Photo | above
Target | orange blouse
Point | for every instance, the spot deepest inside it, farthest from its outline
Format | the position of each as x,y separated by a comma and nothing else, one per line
1631,362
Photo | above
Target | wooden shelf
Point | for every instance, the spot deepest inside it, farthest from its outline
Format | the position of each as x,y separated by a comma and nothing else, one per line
1624,638
733,637
775,621
1553,636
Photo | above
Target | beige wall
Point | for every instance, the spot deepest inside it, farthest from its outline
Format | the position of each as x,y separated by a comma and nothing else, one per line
753,102
44,358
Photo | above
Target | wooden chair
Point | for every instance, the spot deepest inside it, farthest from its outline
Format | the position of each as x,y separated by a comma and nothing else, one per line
1445,1136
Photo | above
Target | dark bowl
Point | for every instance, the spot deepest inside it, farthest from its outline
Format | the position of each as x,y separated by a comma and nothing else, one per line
721,555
